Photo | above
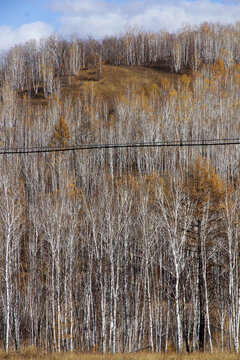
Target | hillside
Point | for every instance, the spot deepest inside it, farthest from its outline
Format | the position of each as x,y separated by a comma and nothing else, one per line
110,84
124,249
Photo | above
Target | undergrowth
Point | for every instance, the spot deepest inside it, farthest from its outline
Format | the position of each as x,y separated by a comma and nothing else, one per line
31,353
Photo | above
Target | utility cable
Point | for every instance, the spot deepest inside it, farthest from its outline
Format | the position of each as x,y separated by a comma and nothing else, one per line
172,143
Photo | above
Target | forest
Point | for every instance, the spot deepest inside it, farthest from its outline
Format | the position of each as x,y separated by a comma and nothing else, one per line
121,249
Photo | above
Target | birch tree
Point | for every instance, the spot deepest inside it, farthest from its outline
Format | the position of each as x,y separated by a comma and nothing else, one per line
11,220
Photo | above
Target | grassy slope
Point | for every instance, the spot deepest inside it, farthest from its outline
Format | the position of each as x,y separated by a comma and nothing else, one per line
114,80
33,354
111,84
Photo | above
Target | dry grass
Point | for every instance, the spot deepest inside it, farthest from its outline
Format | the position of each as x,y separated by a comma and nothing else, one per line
112,83
30,353
114,80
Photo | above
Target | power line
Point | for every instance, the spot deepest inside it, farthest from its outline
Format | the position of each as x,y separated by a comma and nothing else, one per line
173,143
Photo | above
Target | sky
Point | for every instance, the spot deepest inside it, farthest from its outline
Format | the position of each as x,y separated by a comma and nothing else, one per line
23,20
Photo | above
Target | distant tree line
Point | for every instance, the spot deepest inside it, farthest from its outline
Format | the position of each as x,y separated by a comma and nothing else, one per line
34,63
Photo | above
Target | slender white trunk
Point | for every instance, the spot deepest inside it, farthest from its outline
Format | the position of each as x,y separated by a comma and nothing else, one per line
178,316
53,307
58,306
167,319
207,314
65,320
236,341
230,290
150,311
71,318
103,313
70,296
115,301
7,276
137,301
142,321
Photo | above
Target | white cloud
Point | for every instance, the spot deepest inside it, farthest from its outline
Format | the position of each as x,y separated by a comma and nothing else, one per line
100,18
80,7
104,17
95,25
10,36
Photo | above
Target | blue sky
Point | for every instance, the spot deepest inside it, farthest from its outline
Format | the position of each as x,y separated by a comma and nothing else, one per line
18,12
21,20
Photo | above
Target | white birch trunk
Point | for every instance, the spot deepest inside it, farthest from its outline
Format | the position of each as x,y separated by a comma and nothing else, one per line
7,276
178,315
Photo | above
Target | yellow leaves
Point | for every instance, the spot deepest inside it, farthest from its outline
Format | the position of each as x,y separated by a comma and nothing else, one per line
150,91
226,58
236,104
95,348
165,84
147,186
237,78
155,86
111,121
237,68
151,185
95,119
173,93
153,181
141,104
204,185
61,133
74,192
185,80
208,83
124,100
219,67
128,181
